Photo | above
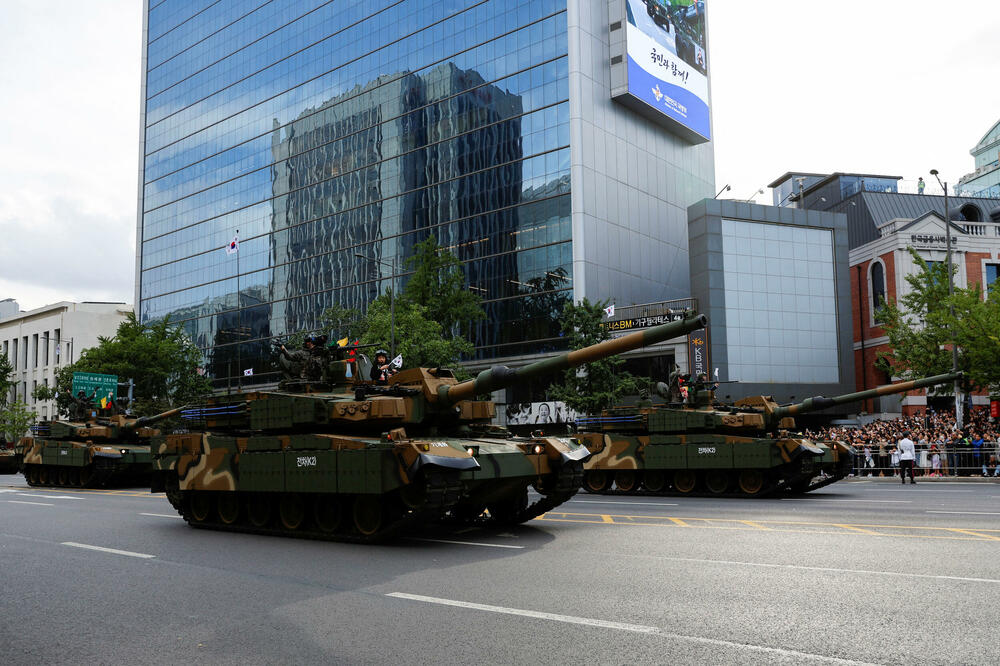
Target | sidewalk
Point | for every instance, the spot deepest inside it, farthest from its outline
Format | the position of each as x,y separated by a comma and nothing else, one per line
927,479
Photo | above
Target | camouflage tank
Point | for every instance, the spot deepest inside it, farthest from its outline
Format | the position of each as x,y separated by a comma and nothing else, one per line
9,460
695,447
89,452
338,457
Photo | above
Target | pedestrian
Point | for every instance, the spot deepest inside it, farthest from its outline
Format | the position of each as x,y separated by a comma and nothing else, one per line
935,462
895,461
920,185
869,463
906,458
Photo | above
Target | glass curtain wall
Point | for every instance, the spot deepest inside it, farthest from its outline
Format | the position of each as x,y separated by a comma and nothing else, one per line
322,130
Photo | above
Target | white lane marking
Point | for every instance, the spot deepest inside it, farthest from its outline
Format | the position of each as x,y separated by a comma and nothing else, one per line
621,626
102,549
802,567
8,490
23,502
49,496
926,483
970,513
614,502
162,515
465,543
820,499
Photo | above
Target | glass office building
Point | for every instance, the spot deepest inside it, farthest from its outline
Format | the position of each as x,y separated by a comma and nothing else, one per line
319,131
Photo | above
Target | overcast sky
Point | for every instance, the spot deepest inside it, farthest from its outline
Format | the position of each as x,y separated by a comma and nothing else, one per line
885,86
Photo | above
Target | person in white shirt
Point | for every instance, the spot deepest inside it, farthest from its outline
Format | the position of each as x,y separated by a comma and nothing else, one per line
907,454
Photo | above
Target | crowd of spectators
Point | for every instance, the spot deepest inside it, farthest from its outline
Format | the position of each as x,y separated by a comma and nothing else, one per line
941,449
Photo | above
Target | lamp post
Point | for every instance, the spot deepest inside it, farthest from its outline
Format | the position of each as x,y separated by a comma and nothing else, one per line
951,305
392,298
724,189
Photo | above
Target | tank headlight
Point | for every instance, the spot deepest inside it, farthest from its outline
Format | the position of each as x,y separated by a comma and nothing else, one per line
471,451
124,451
538,449
425,446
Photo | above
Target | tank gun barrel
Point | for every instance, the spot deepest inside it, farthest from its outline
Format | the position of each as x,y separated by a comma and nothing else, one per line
147,420
499,377
820,402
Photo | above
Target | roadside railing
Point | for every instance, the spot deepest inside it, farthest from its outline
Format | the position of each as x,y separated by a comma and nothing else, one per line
951,461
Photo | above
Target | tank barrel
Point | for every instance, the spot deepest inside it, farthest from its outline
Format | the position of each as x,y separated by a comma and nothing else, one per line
819,402
147,420
499,377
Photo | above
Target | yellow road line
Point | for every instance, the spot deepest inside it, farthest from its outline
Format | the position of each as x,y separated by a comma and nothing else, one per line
678,521
857,529
607,519
976,533
752,523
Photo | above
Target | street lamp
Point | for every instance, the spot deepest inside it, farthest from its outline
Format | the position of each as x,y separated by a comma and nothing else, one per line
724,189
392,298
951,289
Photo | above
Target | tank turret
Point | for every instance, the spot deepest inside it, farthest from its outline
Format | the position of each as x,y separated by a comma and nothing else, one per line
329,444
695,444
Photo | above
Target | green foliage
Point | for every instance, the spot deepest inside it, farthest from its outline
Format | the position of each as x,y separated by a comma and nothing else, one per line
158,357
419,337
6,383
438,285
602,383
15,419
921,329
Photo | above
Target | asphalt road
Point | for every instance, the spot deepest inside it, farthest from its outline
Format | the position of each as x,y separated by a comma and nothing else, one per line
859,572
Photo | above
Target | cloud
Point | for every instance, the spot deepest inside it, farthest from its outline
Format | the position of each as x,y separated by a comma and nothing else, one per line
70,119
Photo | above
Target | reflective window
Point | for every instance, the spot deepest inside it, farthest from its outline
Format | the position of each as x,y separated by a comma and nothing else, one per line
781,306
266,117
877,289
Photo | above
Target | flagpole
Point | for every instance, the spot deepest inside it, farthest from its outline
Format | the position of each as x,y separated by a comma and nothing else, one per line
239,319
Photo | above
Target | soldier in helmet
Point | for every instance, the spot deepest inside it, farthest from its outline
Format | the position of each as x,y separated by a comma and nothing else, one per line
382,369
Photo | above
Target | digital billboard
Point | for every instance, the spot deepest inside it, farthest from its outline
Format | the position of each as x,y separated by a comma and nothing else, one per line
667,61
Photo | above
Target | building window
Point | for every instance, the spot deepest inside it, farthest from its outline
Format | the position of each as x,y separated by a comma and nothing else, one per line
34,350
877,290
990,277
46,358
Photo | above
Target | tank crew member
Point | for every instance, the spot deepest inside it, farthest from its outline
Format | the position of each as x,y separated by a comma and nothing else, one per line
382,369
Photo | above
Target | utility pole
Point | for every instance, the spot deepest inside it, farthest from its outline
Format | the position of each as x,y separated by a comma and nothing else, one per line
951,305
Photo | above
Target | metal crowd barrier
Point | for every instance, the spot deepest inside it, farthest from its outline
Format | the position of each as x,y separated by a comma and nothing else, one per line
952,461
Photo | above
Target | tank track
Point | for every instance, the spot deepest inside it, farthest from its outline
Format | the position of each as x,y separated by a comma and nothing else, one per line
564,484
100,477
441,492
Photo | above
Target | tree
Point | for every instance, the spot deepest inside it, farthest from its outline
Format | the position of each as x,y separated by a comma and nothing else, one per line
601,383
6,383
419,338
15,419
921,329
438,285
158,357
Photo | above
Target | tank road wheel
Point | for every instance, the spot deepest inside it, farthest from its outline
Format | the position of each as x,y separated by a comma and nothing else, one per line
62,476
200,505
717,481
367,514
507,511
596,481
654,481
326,513
43,475
227,506
86,476
74,477
291,511
751,481
685,480
413,495
31,475
626,480
259,509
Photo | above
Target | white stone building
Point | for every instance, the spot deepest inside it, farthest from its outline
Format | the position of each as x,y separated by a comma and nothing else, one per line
40,341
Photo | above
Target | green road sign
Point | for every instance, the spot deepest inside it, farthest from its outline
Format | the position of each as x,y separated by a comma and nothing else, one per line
93,384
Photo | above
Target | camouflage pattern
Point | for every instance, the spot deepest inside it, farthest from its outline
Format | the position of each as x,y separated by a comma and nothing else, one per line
346,459
101,451
701,447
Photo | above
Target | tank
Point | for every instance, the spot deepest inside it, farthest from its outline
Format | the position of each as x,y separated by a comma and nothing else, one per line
334,456
9,460
695,446
90,450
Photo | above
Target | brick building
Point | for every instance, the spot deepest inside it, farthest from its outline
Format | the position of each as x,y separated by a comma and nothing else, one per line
879,268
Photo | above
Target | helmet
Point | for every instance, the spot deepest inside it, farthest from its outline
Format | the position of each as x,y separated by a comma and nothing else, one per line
382,352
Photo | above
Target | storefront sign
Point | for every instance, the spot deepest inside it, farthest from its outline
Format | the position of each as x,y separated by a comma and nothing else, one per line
634,323
698,352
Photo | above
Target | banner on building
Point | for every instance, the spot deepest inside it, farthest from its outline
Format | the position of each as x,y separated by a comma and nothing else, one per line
698,353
